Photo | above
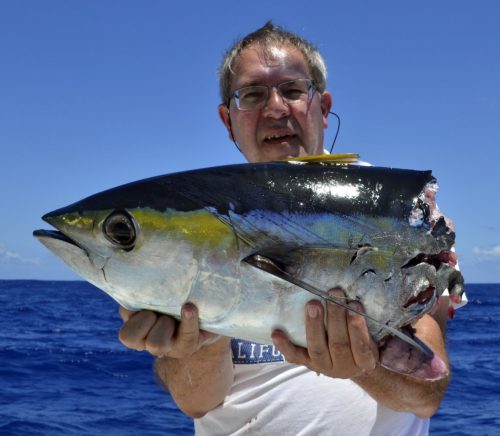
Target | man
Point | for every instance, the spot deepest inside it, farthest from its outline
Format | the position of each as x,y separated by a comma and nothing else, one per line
275,106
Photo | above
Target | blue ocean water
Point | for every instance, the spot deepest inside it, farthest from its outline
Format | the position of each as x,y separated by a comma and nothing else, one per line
63,371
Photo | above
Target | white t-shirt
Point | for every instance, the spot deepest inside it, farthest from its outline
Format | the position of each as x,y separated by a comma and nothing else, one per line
271,396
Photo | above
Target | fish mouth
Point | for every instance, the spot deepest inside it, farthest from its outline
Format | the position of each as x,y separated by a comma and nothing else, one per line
87,265
60,244
54,234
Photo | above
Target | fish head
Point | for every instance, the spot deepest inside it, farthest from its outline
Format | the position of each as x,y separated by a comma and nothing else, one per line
106,247
131,243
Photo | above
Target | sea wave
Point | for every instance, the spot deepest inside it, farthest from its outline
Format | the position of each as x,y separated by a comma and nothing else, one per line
64,371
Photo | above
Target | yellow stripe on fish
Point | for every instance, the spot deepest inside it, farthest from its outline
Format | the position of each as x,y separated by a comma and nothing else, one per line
200,227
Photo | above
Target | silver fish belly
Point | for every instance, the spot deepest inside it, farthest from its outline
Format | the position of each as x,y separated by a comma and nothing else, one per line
192,236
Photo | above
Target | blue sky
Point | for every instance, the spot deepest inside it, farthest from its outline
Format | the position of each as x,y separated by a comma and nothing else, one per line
97,93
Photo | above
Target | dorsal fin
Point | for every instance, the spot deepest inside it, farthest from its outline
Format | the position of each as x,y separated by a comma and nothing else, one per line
342,158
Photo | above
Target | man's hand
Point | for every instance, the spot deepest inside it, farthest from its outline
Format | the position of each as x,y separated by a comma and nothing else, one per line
342,349
195,366
162,335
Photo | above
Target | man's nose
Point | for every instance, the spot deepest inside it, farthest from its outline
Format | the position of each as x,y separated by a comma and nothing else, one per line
275,106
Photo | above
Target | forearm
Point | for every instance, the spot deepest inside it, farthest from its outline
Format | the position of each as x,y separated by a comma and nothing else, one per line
404,393
200,382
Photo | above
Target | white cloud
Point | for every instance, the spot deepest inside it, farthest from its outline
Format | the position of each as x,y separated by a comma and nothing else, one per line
495,251
7,255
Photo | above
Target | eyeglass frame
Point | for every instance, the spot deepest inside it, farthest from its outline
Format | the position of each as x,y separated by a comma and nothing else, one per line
311,89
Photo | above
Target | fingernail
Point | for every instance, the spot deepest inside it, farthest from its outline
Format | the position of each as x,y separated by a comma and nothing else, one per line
336,292
312,311
188,311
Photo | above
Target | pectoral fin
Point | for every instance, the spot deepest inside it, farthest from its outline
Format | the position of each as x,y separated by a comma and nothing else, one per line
268,265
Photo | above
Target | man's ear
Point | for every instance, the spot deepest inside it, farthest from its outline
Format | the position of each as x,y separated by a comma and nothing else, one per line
226,120
326,105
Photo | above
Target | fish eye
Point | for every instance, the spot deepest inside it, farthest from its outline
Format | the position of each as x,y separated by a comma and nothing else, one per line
119,229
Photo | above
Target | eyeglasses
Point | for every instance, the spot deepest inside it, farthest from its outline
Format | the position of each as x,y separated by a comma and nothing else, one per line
250,98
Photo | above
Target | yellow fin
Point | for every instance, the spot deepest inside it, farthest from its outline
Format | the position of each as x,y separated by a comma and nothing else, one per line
342,158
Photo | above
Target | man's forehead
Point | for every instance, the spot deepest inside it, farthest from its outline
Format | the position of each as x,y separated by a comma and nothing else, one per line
275,54
255,58
270,54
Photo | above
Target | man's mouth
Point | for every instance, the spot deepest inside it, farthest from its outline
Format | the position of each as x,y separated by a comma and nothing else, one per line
279,139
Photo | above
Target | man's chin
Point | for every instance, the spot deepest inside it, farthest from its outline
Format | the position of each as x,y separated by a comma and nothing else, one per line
281,151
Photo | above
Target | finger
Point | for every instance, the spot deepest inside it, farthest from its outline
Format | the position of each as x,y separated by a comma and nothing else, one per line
188,332
292,353
363,348
159,341
134,331
338,337
317,342
125,314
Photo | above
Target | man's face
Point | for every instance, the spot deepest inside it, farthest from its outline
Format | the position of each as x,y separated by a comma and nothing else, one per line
278,130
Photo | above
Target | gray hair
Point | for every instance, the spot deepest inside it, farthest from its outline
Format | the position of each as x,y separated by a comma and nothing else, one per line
268,36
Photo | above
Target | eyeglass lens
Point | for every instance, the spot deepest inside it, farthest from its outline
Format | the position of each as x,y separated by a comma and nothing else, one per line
255,97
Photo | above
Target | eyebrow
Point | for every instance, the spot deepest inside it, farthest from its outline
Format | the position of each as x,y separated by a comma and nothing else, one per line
259,83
